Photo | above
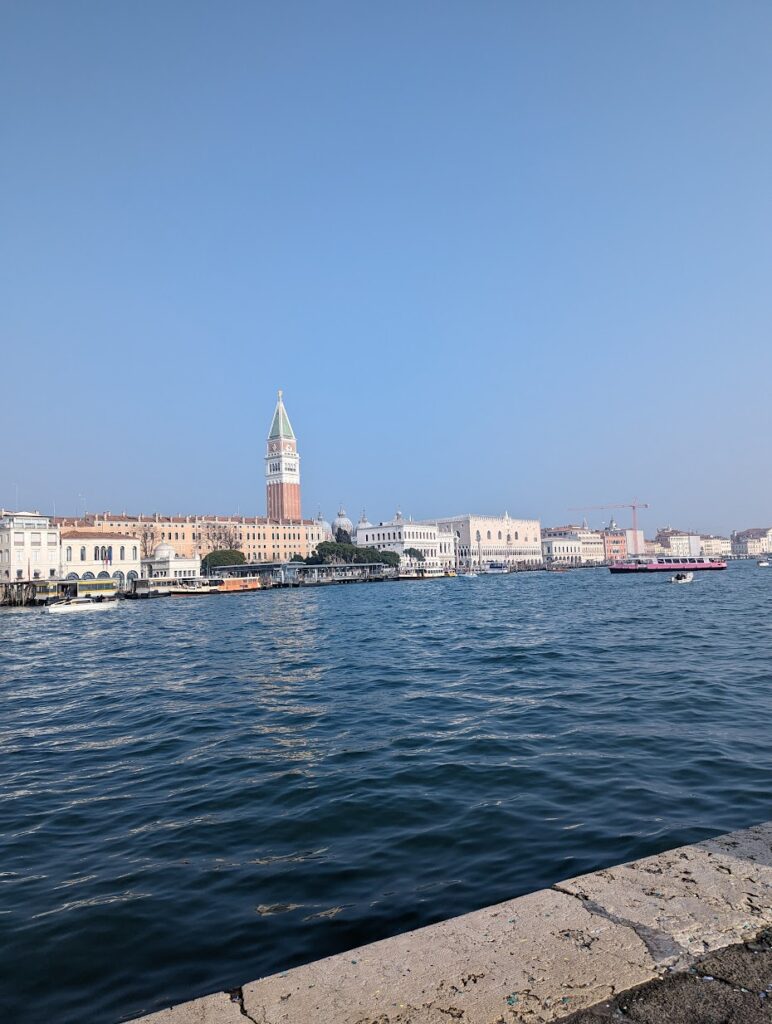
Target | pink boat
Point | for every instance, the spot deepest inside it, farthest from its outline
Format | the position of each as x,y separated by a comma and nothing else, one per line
676,563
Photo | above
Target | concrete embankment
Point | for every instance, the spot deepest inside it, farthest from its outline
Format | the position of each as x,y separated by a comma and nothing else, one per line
543,957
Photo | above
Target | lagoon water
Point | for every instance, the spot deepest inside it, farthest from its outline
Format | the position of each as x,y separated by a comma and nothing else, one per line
195,793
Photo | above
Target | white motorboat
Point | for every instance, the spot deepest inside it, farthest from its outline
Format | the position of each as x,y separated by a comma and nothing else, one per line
682,577
763,564
79,604
466,575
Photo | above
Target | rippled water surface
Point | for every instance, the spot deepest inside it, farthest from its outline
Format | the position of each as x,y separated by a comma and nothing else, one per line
198,792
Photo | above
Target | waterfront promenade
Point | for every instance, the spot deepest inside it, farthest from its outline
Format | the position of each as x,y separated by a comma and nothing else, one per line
580,950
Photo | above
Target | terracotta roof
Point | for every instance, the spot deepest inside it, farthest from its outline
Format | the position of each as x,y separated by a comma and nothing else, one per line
96,535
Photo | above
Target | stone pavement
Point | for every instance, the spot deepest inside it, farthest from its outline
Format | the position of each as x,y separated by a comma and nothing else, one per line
642,929
731,986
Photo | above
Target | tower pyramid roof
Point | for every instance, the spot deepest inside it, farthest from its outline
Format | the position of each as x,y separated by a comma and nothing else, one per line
280,425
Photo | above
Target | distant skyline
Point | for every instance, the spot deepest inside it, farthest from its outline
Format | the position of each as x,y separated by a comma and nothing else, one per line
498,256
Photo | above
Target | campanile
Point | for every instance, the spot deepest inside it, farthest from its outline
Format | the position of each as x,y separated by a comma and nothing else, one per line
282,469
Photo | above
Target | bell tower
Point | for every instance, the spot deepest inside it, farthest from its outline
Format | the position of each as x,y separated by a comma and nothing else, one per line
282,469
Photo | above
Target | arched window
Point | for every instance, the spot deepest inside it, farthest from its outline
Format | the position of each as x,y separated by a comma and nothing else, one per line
83,554
499,534
134,553
110,553
103,575
123,553
68,554
517,535
71,576
96,553
509,538
477,536
131,575
88,576
489,534
103,553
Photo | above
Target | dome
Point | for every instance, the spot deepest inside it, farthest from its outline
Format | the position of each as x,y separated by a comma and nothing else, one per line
342,522
164,552
364,522
324,526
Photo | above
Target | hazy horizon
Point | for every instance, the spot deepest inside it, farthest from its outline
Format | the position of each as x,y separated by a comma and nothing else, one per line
498,256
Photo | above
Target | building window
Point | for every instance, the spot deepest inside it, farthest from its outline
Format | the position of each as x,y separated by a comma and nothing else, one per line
68,554
123,552
134,554
83,554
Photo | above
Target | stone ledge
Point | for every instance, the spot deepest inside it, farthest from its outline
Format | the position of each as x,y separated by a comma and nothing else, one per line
535,959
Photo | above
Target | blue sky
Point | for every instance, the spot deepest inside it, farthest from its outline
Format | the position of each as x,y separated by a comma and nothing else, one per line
498,255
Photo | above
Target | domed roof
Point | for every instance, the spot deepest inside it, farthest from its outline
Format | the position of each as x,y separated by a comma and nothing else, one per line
324,526
342,522
164,552
364,522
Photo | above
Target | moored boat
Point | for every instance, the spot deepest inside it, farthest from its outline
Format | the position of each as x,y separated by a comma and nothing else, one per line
80,604
667,563
763,564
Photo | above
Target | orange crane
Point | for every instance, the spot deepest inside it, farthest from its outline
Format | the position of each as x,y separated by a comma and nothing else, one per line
634,505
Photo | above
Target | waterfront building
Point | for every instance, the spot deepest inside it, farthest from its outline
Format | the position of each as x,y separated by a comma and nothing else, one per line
165,563
282,469
561,550
260,539
653,547
753,542
636,542
715,547
96,554
482,539
435,543
614,545
679,542
593,548
29,546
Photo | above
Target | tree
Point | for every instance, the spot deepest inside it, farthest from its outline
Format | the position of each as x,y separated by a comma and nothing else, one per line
147,541
223,556
332,553
342,537
415,554
297,558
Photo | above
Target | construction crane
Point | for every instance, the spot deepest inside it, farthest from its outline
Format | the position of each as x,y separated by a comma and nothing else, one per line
634,505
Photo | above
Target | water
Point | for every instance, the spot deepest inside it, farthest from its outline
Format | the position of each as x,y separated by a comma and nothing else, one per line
198,792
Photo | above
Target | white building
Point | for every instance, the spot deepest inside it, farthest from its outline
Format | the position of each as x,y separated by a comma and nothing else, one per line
485,539
561,550
93,554
29,546
753,542
400,535
165,563
716,547
680,543
636,542
592,547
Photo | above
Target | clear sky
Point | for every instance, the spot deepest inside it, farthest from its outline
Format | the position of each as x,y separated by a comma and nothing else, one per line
499,255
